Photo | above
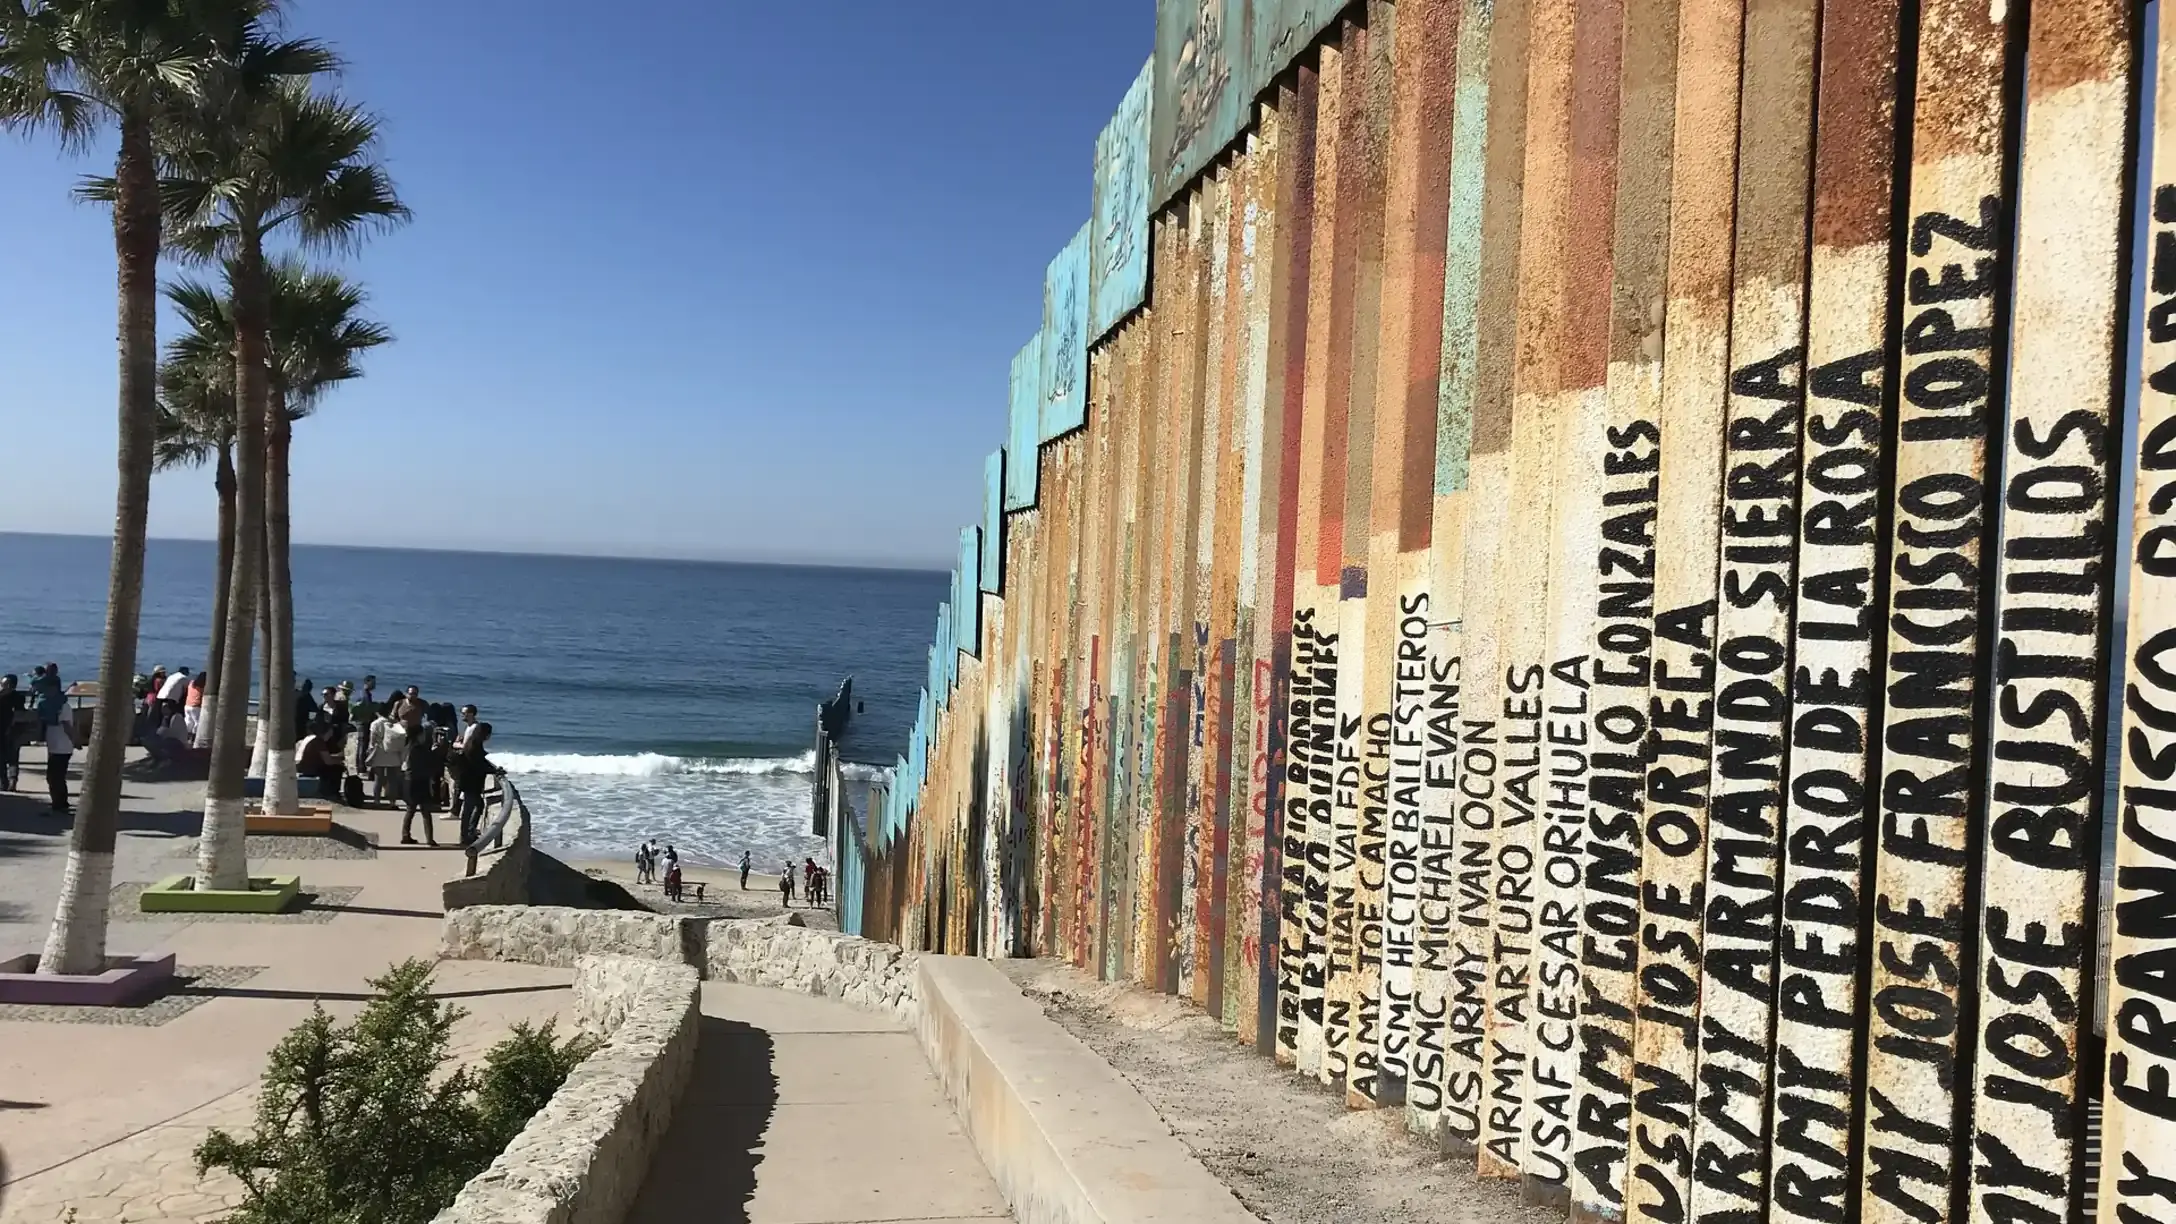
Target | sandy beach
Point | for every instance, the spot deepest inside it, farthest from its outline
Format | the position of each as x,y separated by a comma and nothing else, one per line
722,895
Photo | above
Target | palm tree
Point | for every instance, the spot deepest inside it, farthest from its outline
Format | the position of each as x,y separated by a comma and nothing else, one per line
257,164
196,426
78,68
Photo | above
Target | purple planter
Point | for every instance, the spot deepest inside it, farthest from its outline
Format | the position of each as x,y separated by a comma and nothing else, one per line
126,980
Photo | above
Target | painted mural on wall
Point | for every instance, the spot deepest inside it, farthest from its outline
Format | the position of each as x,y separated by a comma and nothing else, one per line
1281,30
1024,433
1664,667
1201,88
1118,226
1065,339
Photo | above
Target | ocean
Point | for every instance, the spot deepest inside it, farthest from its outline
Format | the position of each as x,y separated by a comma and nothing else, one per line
628,698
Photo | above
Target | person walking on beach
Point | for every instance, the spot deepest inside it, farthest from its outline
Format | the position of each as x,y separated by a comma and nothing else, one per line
642,862
59,747
747,860
785,884
421,767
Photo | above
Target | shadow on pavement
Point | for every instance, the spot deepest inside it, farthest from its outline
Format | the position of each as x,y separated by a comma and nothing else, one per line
706,1167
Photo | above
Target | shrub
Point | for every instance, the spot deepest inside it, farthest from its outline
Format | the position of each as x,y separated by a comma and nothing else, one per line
362,1124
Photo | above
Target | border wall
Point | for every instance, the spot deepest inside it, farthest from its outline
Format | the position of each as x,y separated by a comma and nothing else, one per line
1557,566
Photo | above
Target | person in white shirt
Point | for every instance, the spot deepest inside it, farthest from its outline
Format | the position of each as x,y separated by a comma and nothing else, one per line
59,747
176,689
388,745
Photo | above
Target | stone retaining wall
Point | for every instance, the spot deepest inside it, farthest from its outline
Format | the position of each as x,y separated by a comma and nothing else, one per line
583,1157
546,935
775,952
877,977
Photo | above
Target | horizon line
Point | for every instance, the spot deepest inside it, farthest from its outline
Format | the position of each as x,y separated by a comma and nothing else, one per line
543,552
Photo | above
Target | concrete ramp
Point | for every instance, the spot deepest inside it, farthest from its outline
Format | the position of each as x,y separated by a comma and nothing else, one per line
807,1111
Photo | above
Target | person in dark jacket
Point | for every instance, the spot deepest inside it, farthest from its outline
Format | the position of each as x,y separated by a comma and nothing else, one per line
425,761
12,706
471,767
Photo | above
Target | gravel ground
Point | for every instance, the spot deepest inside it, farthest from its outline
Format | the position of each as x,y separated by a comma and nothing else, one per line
288,848
190,988
1283,1145
313,906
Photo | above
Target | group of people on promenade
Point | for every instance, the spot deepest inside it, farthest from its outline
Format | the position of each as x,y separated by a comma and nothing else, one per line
421,756
662,868
43,705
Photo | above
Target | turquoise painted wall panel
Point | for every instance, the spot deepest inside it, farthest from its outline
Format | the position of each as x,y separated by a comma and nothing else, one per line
992,569
1203,88
1281,30
1119,234
1065,340
967,614
941,682
1024,433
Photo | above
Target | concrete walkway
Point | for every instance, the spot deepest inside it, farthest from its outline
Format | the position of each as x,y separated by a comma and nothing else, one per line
102,1116
807,1111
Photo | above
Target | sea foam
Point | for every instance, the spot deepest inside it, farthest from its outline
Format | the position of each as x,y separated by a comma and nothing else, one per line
648,765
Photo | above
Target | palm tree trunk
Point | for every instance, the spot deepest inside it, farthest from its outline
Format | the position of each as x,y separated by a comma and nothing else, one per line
77,943
223,481
221,853
280,796
261,744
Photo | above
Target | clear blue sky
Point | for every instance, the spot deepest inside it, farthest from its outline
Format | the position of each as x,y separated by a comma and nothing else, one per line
687,278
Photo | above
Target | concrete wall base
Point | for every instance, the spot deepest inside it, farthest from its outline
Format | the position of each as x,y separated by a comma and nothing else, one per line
1067,1139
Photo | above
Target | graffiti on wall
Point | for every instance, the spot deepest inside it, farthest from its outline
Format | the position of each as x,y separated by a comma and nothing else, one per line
1587,630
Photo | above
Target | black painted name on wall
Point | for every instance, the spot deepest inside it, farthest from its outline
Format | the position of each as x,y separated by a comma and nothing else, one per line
1512,939
1554,1033
1616,783
1310,712
1401,926
2044,808
1930,771
1832,699
1752,707
2139,1123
